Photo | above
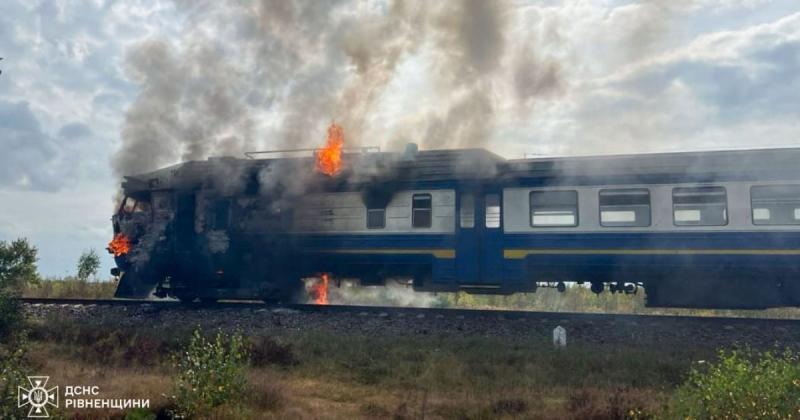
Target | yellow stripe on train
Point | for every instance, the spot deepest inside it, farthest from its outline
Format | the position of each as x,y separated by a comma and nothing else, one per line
516,254
443,253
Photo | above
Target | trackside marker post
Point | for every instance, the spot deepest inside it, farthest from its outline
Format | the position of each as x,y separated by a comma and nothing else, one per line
559,337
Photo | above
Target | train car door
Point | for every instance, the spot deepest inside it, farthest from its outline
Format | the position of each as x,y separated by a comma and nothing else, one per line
479,249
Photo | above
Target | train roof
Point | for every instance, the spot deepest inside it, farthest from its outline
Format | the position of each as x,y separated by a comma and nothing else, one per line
671,163
464,164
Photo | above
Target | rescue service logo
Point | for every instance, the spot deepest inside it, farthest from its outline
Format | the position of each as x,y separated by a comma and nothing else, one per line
38,397
76,397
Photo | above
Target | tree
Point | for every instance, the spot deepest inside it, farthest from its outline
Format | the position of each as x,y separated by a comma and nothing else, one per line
88,263
17,265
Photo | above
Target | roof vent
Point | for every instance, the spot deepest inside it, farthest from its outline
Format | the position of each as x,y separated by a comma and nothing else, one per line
411,151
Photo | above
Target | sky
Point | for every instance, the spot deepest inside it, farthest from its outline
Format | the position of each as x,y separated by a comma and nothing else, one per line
92,90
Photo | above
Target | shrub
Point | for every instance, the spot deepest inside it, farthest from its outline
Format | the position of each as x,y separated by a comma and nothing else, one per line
12,363
17,267
210,373
88,264
742,385
266,350
140,414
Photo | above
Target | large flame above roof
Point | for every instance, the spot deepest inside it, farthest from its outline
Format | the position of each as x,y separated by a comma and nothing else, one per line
329,158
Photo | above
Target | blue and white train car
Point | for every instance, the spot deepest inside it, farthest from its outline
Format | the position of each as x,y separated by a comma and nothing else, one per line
701,229
705,229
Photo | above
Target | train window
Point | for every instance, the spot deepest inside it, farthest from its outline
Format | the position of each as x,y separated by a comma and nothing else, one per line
467,211
775,204
700,206
628,207
421,211
221,214
128,204
376,218
492,210
554,208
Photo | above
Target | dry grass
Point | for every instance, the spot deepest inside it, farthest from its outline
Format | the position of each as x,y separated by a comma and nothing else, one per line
70,287
314,375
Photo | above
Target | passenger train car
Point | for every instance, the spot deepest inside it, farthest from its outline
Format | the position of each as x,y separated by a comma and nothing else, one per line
702,229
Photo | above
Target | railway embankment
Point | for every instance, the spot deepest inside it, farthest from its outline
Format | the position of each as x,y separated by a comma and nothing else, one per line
582,328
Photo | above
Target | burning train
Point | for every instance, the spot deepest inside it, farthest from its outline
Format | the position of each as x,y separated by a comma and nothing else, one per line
701,229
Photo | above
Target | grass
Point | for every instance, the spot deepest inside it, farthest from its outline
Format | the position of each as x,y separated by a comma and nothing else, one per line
581,299
70,287
575,299
318,375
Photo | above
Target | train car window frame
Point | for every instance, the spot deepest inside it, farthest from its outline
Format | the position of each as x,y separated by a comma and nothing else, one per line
784,215
710,191
574,209
493,212
628,206
421,217
372,218
466,211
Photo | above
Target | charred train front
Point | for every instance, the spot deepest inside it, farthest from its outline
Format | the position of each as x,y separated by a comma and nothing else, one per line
703,229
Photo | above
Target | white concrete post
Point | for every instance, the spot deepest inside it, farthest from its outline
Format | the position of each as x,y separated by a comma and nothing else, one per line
559,337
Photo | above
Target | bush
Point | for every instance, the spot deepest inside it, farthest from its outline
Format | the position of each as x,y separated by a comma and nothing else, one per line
210,373
742,385
12,363
17,267
266,350
88,264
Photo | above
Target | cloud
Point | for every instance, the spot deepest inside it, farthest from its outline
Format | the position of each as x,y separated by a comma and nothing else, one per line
716,91
74,131
28,152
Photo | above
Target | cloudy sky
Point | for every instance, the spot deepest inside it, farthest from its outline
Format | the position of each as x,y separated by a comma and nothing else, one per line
91,90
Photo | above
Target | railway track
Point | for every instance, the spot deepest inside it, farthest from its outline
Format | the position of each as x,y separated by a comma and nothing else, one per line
422,312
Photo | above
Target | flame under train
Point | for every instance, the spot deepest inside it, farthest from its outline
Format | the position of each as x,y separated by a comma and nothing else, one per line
702,229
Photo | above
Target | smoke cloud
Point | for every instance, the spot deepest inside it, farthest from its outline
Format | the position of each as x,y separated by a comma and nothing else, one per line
273,74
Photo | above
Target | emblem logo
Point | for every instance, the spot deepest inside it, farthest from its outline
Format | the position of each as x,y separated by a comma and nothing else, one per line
38,397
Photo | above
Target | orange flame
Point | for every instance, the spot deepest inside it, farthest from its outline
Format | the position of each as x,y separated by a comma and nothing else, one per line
329,158
319,291
120,245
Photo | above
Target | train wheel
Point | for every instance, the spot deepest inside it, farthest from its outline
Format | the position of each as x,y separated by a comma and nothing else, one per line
597,287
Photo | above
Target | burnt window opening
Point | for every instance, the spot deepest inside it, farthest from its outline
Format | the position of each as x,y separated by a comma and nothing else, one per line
775,204
700,206
252,184
131,205
421,211
376,218
554,208
492,211
625,207
128,204
466,213
221,214
141,207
